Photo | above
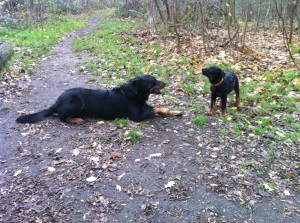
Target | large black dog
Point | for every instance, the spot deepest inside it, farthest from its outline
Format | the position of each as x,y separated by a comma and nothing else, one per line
127,101
222,83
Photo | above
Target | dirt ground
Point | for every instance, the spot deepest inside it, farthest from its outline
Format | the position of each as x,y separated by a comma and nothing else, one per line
57,172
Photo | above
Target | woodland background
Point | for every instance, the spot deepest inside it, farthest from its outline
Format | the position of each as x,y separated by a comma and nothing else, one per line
238,17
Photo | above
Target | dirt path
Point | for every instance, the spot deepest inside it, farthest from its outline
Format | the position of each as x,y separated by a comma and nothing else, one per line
57,172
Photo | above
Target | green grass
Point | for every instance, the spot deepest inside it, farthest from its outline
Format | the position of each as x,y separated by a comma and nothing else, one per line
267,186
133,135
121,123
109,41
289,118
105,138
246,165
260,172
200,120
32,44
120,51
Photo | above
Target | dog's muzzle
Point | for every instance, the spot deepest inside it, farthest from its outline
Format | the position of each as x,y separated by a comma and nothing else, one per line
156,89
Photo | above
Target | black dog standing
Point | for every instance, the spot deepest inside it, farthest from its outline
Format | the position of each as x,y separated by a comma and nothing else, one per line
222,83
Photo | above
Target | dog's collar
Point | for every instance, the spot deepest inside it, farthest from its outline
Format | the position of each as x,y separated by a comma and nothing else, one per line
218,84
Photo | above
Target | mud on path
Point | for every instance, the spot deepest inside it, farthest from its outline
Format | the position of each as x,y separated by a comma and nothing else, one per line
58,172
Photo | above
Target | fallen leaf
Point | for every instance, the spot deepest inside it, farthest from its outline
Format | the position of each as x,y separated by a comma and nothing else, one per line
286,193
120,177
119,188
76,152
155,155
17,173
288,175
91,179
170,184
115,156
58,150
51,169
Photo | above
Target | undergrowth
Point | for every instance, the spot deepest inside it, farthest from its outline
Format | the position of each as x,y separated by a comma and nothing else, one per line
32,44
120,53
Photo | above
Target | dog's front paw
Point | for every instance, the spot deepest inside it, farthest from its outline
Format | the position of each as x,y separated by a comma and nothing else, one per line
211,112
224,113
77,121
239,104
176,113
166,111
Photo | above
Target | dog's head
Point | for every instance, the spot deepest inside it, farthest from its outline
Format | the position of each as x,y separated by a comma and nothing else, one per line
214,74
142,86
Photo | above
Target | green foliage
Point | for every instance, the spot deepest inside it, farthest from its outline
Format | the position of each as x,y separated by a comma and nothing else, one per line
247,165
133,135
33,44
289,118
114,41
267,186
121,123
105,138
260,172
126,11
64,7
200,120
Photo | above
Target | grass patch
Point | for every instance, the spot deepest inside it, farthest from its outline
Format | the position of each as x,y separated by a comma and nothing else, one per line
121,53
133,135
32,44
121,123
200,120
267,186
105,138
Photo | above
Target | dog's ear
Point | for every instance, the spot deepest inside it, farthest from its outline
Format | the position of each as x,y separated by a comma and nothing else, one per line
136,81
135,84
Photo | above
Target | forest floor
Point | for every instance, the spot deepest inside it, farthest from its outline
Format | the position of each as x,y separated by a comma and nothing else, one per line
176,172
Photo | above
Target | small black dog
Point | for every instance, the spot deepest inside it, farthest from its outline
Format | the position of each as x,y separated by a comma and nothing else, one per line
126,101
222,83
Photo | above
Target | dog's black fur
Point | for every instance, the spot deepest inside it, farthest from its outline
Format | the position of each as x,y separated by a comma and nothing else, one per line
222,83
126,101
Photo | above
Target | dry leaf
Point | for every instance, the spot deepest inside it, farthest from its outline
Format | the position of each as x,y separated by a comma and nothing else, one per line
288,175
17,173
115,156
91,179
76,152
119,188
170,184
120,177
51,169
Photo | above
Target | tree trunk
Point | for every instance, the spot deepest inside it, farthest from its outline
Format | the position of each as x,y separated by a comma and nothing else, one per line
159,11
258,15
176,24
168,10
246,23
6,51
293,9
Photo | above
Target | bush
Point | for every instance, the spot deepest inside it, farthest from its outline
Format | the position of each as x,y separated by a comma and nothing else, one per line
64,7
127,11
10,23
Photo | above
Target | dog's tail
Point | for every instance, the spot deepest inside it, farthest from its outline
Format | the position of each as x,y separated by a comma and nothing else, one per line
36,117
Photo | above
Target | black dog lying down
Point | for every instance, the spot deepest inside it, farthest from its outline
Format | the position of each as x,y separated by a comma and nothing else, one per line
127,101
222,83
